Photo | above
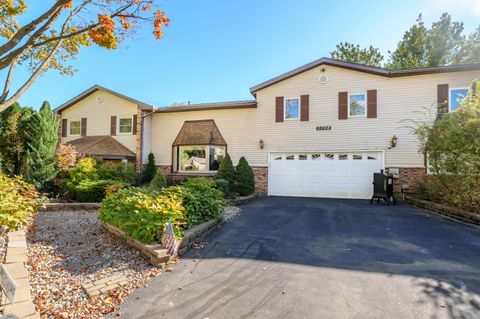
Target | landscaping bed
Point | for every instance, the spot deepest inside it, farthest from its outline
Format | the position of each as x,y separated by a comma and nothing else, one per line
67,251
450,212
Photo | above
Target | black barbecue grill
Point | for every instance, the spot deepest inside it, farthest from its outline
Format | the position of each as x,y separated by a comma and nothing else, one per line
383,188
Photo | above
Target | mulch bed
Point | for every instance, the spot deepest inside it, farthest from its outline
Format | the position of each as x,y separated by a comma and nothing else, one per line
67,249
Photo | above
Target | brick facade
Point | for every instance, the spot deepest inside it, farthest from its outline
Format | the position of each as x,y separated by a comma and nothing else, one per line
261,177
261,180
408,176
139,142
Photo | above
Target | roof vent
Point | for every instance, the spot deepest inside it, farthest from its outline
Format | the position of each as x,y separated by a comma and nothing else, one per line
323,78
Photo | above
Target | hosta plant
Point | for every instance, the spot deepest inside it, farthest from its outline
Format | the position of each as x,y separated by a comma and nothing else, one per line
18,202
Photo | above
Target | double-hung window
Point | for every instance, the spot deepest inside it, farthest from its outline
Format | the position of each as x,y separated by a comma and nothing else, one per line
125,125
456,97
357,104
292,109
74,128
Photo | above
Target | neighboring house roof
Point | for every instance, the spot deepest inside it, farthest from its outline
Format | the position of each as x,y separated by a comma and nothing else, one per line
94,89
365,69
202,132
102,146
208,106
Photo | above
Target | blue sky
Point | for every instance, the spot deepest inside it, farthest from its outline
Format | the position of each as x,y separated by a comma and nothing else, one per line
216,50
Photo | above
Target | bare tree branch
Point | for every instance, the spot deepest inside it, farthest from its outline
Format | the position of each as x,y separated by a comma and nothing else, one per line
15,40
6,60
43,66
8,81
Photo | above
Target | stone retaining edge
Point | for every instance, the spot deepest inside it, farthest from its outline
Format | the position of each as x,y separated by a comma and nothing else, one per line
156,254
23,306
444,210
239,201
195,233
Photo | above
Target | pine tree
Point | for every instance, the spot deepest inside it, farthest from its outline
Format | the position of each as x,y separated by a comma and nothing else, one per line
226,171
244,178
42,142
13,122
150,169
159,181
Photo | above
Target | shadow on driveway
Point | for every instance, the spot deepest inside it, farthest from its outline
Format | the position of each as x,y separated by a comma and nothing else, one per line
315,258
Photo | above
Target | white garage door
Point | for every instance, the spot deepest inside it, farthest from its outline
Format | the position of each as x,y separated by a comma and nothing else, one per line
336,175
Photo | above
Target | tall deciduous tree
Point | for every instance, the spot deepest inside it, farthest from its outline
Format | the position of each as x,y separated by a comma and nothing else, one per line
354,53
410,52
42,143
58,33
443,44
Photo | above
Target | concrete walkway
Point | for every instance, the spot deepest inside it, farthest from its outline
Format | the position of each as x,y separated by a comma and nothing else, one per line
322,258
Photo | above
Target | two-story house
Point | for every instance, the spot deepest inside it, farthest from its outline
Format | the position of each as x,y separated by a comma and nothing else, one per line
103,124
320,130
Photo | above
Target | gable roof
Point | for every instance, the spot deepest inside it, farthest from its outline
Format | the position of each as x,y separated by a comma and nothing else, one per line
102,146
94,89
201,132
208,106
365,69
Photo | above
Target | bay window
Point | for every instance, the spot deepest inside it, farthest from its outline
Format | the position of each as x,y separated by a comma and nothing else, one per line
199,158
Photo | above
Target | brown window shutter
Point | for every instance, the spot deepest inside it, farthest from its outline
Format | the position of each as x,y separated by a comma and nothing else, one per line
304,107
442,98
372,104
64,127
134,126
84,126
342,105
279,109
113,126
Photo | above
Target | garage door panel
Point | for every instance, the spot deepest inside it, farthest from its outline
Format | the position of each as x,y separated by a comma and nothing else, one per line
323,174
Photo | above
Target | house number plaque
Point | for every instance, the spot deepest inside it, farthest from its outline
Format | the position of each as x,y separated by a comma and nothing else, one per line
324,128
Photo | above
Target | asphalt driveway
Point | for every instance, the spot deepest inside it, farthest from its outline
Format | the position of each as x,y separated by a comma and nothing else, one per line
322,258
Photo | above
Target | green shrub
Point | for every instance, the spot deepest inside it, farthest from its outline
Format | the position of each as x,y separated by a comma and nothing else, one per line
150,169
19,201
222,185
227,171
91,191
202,201
452,144
143,215
107,170
126,173
159,181
244,178
86,168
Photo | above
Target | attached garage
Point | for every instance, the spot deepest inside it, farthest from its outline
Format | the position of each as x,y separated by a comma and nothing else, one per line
324,174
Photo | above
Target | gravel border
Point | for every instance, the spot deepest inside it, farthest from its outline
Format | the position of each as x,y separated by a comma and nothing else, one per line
67,249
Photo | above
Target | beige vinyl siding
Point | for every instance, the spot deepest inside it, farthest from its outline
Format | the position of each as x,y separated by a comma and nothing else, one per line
400,102
98,116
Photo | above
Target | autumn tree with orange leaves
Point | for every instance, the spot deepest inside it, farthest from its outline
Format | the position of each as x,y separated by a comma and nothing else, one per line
56,36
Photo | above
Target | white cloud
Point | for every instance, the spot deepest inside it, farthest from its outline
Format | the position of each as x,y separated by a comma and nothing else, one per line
457,6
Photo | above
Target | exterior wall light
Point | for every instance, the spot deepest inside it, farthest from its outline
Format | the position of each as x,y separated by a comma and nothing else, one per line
393,141
261,144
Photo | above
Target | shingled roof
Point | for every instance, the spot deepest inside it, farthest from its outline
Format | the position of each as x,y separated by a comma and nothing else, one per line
105,147
201,132
365,69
